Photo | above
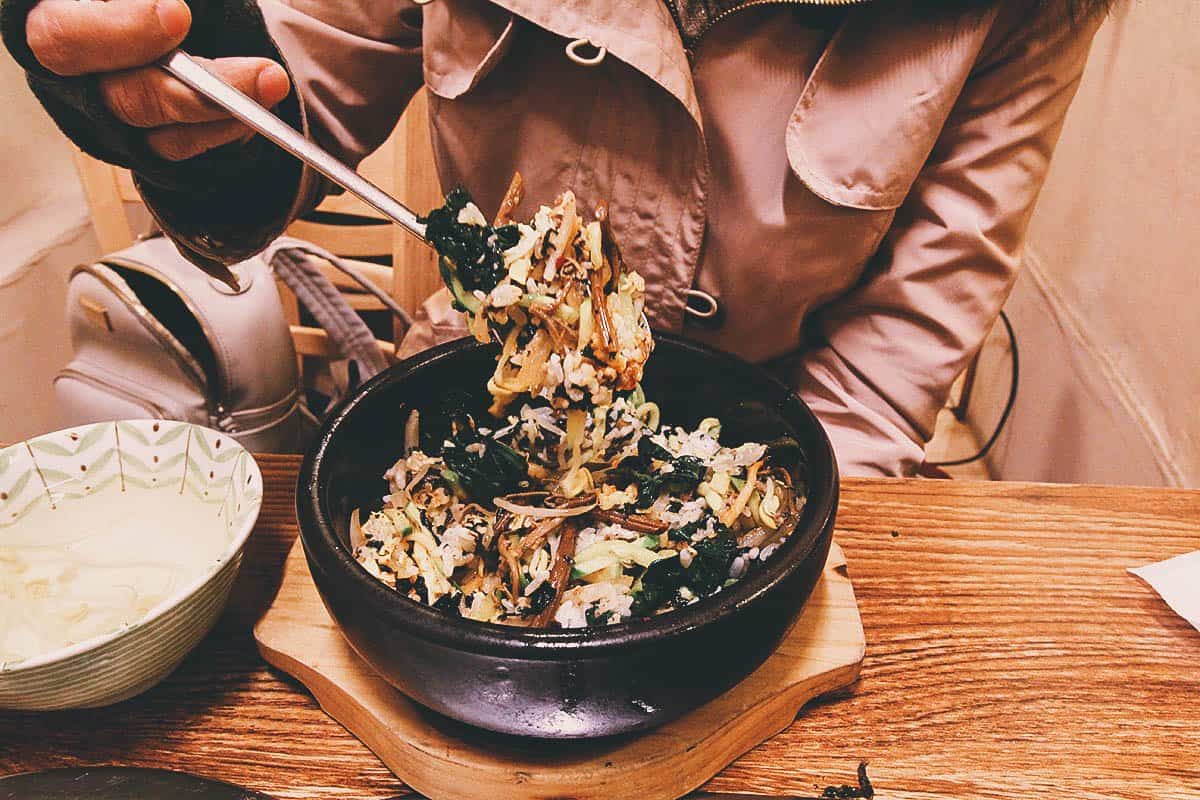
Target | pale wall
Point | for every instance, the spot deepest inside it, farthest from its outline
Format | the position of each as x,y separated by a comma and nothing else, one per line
1108,312
35,162
44,232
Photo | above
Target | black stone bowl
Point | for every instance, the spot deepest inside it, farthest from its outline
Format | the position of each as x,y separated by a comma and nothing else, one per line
562,683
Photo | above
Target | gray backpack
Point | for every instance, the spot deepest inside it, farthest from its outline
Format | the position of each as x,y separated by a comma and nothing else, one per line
155,337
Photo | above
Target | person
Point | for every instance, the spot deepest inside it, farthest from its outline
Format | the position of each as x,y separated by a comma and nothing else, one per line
837,190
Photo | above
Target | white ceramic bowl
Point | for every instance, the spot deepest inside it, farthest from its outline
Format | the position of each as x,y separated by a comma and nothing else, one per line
132,477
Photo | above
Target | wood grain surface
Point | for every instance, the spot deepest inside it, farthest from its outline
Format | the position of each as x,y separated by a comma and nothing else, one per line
444,760
1009,655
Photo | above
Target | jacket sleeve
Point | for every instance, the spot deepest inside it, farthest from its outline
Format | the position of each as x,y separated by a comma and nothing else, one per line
888,352
354,65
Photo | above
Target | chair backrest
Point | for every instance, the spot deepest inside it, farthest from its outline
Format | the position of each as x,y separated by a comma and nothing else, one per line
342,224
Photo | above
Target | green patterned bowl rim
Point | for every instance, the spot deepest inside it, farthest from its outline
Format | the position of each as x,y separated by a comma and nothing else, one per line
237,542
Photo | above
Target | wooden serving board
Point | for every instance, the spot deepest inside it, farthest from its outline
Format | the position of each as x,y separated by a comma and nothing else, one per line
446,760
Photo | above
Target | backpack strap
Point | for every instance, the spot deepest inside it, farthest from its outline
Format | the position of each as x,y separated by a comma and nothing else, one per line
298,264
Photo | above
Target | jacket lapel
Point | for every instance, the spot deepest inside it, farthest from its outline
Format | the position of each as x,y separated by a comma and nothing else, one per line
876,102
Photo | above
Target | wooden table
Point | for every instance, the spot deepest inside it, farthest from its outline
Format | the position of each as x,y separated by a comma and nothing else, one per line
1009,655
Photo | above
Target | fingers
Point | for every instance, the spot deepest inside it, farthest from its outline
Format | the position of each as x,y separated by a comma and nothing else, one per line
70,37
178,142
122,39
149,98
184,123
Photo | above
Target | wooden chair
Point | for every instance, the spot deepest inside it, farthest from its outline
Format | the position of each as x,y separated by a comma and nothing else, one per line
343,225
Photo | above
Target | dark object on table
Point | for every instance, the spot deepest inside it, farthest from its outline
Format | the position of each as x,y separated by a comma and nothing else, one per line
555,683
119,783
864,791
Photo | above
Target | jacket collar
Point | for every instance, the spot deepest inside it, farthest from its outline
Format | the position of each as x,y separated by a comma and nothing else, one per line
639,32
869,114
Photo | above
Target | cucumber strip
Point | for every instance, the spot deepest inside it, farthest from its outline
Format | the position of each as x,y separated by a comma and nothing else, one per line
450,277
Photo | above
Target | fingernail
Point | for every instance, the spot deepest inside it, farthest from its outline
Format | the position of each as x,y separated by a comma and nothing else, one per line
174,17
273,83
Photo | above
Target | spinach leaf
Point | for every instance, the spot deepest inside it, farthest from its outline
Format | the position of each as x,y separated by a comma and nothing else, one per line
685,533
597,619
710,567
661,581
685,474
448,604
497,470
452,414
474,250
649,449
480,466
539,600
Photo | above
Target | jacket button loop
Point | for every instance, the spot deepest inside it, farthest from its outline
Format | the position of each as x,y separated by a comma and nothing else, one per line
701,306
573,53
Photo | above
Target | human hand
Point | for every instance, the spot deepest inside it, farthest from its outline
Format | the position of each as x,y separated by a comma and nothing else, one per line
120,41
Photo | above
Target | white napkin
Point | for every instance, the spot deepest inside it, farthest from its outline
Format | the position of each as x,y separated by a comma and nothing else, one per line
1177,580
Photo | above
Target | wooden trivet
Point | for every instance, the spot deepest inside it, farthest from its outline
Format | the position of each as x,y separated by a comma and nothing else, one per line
446,760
